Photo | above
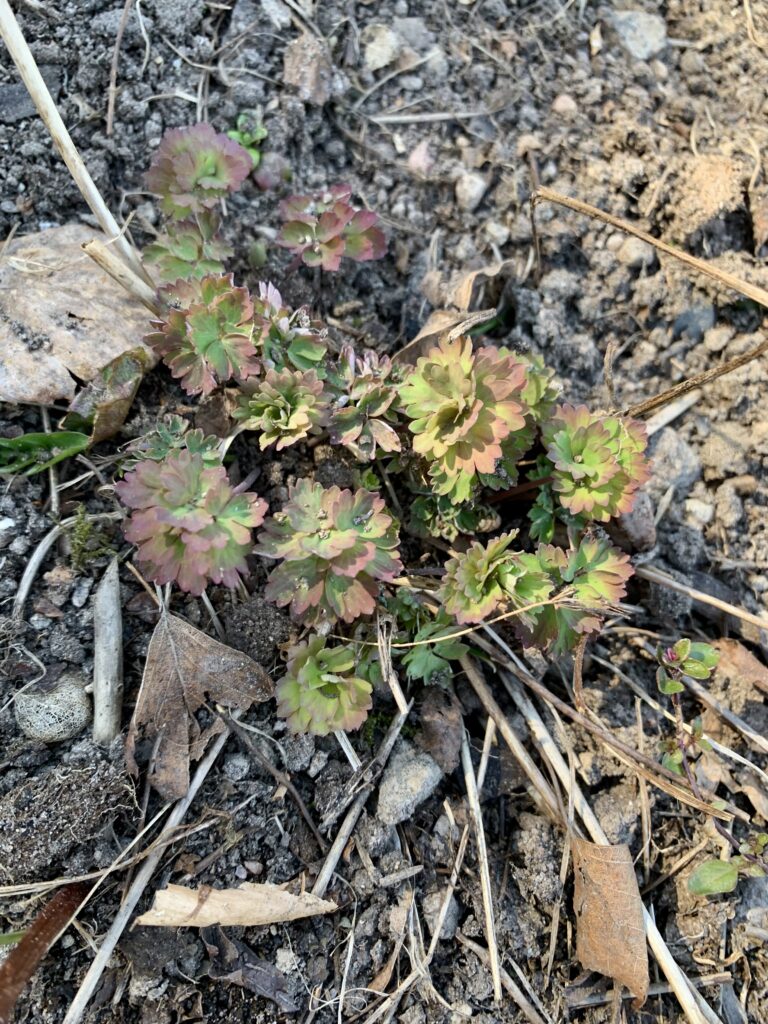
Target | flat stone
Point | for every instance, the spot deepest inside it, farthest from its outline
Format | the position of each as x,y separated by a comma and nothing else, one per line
382,46
642,35
414,33
7,531
470,189
430,908
16,103
409,779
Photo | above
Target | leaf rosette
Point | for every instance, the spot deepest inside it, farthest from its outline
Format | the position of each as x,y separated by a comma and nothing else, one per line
320,691
336,547
285,406
191,527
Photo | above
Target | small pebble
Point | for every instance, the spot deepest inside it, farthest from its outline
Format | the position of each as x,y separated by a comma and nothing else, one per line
318,762
716,338
496,232
7,531
642,35
81,592
56,713
408,780
236,767
699,511
564,105
431,907
470,189
635,253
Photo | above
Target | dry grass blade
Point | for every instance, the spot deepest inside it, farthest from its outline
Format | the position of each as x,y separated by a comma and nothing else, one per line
527,1009
654,575
482,857
107,657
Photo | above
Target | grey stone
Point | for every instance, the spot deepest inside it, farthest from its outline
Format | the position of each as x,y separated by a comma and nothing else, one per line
16,103
694,322
638,525
56,713
470,189
635,253
430,908
409,779
81,592
236,767
673,464
728,506
414,33
642,35
382,46
718,337
7,531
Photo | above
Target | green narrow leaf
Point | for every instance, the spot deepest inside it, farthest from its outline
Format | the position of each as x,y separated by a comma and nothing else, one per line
712,877
32,453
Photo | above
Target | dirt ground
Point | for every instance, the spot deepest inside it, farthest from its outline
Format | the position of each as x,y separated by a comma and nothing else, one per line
441,114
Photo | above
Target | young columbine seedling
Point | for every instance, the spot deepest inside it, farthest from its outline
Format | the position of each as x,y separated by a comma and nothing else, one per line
336,546
189,249
285,338
322,228
190,525
194,168
464,406
286,407
249,133
320,692
598,461
207,334
363,417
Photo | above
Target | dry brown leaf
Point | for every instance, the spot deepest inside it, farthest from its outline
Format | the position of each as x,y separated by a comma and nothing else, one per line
736,662
184,667
442,323
463,291
249,905
61,317
610,935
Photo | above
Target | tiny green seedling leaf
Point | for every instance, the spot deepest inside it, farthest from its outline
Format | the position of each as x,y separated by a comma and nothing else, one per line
713,877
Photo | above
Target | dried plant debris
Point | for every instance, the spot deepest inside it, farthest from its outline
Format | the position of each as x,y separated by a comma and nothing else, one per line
610,935
184,669
249,905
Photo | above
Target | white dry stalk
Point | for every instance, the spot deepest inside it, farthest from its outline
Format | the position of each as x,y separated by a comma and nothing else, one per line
482,859
93,975
695,1007
107,658
41,97
104,257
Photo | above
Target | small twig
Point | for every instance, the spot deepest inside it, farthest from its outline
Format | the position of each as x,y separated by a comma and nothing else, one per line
348,825
482,859
41,551
41,97
676,408
218,626
653,575
112,90
527,1009
576,1002
280,777
488,738
578,675
107,658
93,975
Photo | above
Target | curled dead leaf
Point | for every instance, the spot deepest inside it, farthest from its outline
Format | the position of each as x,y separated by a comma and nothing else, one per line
184,667
250,905
610,934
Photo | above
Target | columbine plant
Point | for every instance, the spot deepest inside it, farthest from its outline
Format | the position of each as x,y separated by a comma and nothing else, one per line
336,546
320,229
460,423
364,417
191,527
320,691
206,337
285,407
465,408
